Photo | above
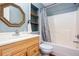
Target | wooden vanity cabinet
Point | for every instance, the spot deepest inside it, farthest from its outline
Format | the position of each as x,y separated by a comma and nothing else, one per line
28,47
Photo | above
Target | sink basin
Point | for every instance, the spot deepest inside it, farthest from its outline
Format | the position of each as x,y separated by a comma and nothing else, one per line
6,38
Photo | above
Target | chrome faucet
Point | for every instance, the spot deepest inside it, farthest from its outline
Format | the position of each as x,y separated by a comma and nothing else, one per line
16,32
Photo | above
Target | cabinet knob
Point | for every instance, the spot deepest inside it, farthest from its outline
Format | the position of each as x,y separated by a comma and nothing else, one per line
35,51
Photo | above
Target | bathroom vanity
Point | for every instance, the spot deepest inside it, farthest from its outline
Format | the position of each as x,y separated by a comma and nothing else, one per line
22,45
16,44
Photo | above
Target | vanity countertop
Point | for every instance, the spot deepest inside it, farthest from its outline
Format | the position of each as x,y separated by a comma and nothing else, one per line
9,37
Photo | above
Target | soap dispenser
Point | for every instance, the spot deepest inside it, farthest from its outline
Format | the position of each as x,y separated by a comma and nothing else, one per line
29,26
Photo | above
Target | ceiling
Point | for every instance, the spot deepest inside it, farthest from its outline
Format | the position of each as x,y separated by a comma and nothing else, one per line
47,4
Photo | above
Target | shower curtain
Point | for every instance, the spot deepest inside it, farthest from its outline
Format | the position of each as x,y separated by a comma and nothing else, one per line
44,27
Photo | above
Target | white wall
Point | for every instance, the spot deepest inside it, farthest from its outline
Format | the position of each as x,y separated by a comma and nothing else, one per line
63,28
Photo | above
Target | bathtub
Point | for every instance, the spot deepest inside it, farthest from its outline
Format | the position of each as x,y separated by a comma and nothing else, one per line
61,50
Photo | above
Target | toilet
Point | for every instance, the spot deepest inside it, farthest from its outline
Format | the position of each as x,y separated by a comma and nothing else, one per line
46,48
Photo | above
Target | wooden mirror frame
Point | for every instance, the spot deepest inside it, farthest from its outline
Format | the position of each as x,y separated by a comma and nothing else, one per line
3,19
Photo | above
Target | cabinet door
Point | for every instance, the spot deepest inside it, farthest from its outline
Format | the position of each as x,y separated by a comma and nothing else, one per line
21,53
33,50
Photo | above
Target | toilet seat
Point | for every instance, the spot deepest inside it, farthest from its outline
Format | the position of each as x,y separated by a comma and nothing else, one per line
46,46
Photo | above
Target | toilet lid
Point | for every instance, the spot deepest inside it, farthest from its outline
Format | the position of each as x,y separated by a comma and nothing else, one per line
46,46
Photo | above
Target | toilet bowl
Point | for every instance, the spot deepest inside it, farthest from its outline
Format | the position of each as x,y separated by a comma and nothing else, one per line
46,48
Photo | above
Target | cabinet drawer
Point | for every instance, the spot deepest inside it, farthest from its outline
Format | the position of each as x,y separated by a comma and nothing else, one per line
13,50
33,50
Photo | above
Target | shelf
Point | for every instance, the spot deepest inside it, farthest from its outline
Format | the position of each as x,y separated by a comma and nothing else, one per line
34,20
34,23
76,41
32,14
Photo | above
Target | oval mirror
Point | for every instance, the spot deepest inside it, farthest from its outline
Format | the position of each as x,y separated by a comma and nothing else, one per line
13,15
